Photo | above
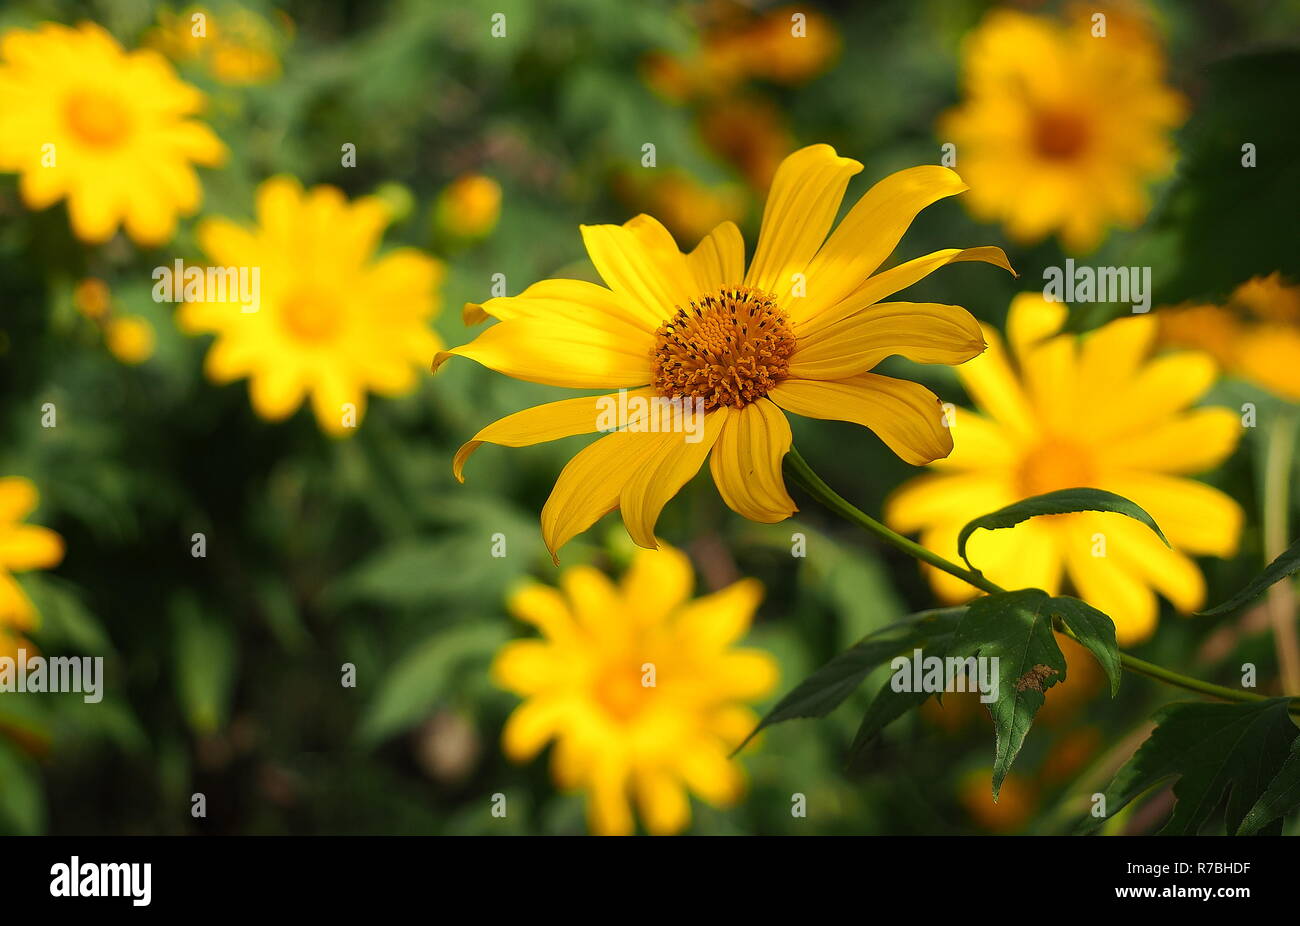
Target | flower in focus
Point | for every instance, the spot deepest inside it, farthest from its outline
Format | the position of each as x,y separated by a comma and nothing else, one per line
235,45
1256,336
1060,131
333,322
469,207
23,547
105,129
711,344
1082,412
640,687
130,339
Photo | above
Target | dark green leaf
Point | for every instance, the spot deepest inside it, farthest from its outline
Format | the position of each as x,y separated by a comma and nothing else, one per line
1062,501
888,705
1206,749
1094,630
1288,564
1281,798
825,689
1016,629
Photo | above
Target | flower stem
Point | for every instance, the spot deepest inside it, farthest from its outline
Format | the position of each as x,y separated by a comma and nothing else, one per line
1281,602
803,474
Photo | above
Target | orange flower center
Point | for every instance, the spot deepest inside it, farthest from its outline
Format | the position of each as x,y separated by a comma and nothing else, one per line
311,316
97,118
1054,464
1059,135
621,691
727,348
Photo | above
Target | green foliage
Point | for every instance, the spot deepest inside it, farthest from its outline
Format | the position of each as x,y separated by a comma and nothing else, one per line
1286,565
1281,798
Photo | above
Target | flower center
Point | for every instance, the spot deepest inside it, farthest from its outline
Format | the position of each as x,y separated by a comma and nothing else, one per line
1059,135
311,316
727,348
1054,464
97,118
620,689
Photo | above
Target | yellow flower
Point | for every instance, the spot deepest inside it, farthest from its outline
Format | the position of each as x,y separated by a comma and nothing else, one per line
689,209
1256,336
1060,131
23,547
750,133
800,331
92,298
640,687
130,339
106,129
470,206
1082,412
236,45
333,322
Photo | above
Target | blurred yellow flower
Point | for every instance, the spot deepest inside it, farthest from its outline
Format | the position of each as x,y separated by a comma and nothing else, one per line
469,207
106,129
333,321
130,338
1061,130
1256,336
1076,412
234,44
750,133
640,687
725,350
23,547
92,298
689,209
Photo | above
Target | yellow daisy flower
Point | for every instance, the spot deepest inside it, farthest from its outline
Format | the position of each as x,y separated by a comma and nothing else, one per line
800,331
639,686
1082,412
23,547
332,322
1256,336
108,130
1059,130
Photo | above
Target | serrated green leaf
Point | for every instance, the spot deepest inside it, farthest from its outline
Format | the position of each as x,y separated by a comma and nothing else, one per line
1016,629
1286,565
1094,630
1206,749
826,689
1281,798
1062,501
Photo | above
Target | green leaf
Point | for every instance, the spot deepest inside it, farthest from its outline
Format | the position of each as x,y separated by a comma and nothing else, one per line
204,654
888,705
1094,630
826,689
1281,798
22,801
1207,749
1062,501
412,686
1016,629
1286,565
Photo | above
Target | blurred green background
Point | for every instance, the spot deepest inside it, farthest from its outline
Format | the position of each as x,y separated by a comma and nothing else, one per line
223,672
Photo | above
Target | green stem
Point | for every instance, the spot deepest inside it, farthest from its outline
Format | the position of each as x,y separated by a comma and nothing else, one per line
1281,603
803,474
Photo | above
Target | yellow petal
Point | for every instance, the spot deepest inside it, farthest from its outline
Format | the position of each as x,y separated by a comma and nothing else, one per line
662,801
530,726
711,623
1196,518
549,422
993,386
1190,443
870,232
979,443
543,607
1115,589
668,467
719,259
568,300
555,352
926,332
801,206
608,811
18,498
710,774
657,582
746,463
527,667
24,547
906,416
275,391
16,609
890,281
594,599
944,498
1162,388
641,262
1173,574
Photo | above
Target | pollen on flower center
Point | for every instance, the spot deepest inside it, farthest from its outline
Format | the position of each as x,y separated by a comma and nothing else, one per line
1054,464
1059,134
311,316
727,348
97,118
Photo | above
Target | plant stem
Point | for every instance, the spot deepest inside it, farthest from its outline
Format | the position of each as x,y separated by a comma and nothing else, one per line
1281,601
803,474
